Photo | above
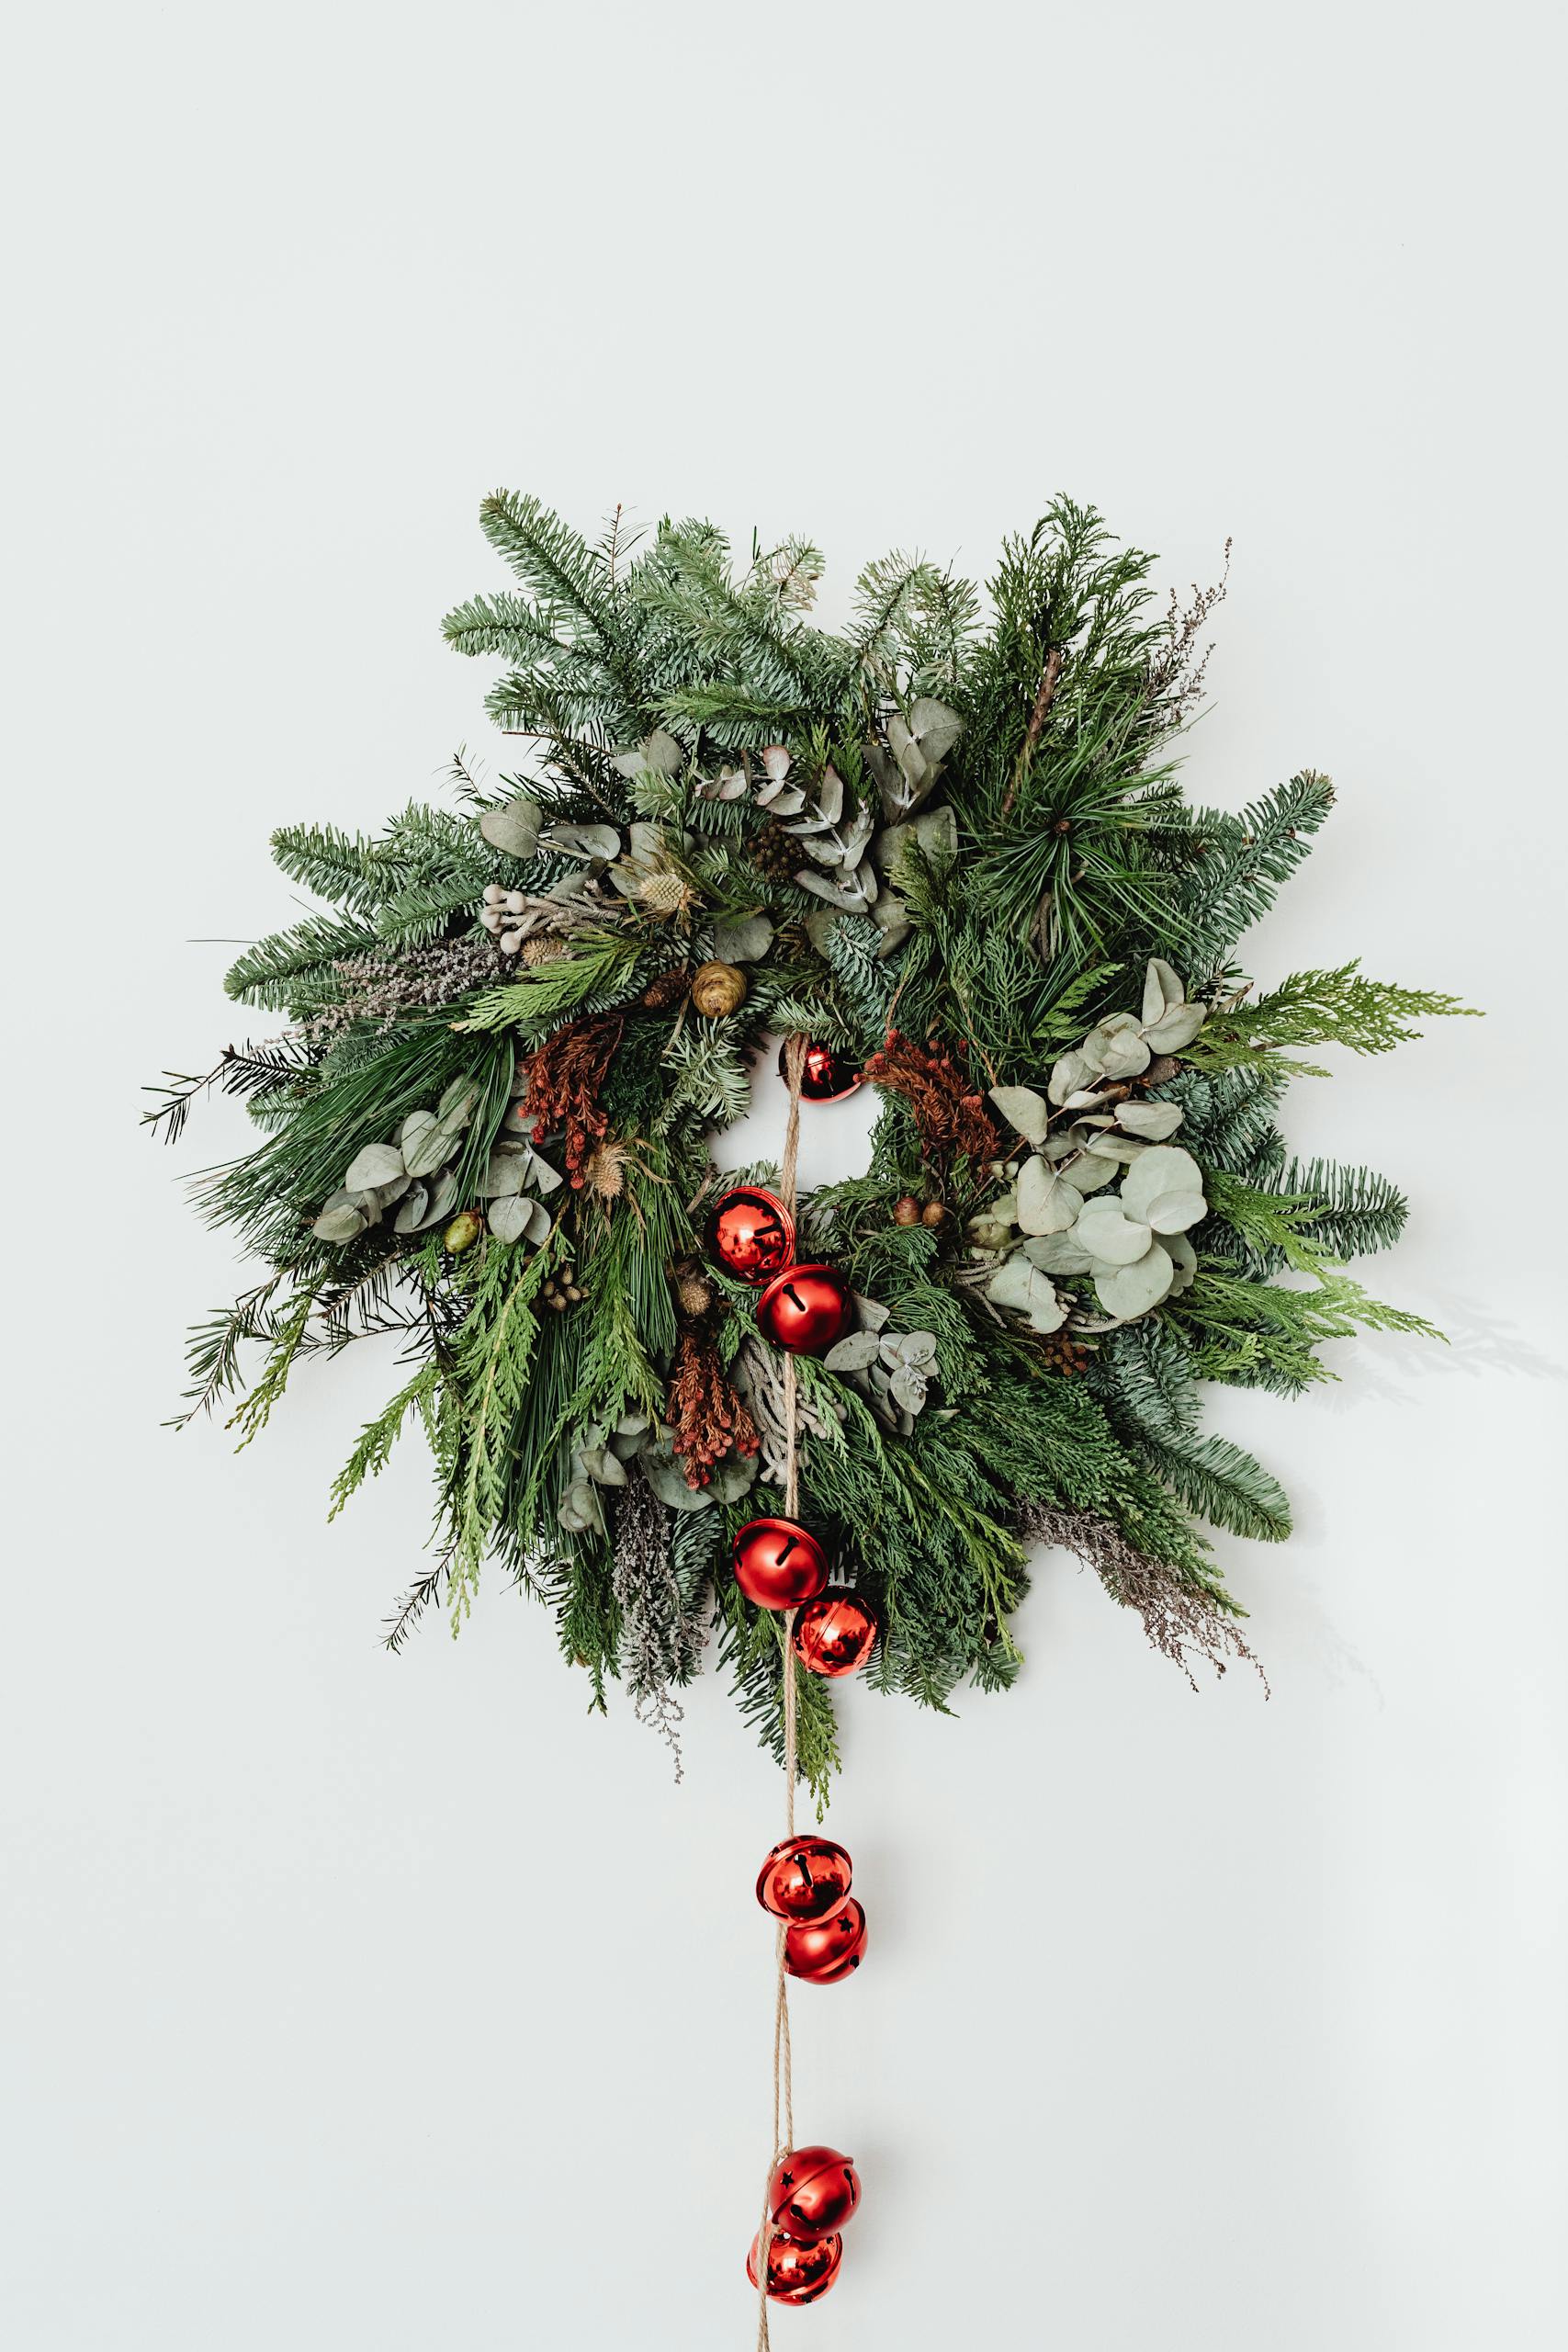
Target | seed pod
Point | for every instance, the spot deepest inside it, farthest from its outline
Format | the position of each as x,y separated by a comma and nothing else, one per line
933,1213
907,1211
464,1230
717,989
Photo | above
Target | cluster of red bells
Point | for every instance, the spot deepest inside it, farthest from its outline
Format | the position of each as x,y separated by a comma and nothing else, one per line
779,1564
804,1882
811,2196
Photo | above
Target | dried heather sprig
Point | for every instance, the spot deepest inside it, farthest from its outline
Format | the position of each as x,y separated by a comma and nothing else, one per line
1178,1618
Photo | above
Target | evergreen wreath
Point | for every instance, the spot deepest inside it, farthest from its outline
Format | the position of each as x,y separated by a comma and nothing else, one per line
948,843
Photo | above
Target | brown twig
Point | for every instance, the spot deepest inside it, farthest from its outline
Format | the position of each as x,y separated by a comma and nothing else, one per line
1037,717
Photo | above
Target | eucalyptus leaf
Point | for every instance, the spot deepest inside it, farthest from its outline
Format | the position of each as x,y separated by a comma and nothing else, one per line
442,1199
908,1387
1092,1170
598,843
934,834
733,1476
1163,1169
578,1512
1162,990
745,942
853,1353
849,902
514,829
508,1217
1183,1258
379,1163
667,1478
1058,1253
1070,1073
605,1469
342,1222
458,1103
935,728
1047,1201
504,1175
1116,1048
429,1146
410,1215
1178,1028
1174,1212
1135,1289
1023,1108
1153,1121
1022,1286
1110,1238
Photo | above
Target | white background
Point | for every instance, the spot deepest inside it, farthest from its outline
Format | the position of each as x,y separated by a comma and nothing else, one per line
356,2003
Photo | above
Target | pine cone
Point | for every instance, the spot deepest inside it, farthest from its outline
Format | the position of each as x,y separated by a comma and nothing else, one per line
667,989
542,950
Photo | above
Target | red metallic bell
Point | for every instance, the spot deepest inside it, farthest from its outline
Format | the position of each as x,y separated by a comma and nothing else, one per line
805,1878
778,1563
835,1634
826,1077
824,1952
812,2193
797,2273
806,1310
751,1234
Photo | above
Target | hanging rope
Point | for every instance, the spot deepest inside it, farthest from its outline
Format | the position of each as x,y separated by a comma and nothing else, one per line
784,2087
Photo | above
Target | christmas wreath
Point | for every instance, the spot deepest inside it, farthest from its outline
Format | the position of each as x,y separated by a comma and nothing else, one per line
945,849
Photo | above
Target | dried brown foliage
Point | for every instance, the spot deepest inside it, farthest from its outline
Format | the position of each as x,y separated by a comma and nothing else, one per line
563,1079
709,1419
950,1114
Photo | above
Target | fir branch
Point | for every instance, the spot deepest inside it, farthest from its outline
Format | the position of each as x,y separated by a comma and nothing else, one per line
552,992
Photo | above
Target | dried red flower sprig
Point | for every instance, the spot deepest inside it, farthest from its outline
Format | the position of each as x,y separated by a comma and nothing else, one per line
951,1115
709,1419
563,1080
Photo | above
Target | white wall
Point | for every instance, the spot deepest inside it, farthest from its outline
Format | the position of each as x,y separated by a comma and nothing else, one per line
358,2004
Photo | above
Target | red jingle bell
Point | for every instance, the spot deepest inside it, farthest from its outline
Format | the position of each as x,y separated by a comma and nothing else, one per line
824,1952
825,1076
797,2273
778,1563
806,1310
751,1234
834,1634
805,1878
812,2193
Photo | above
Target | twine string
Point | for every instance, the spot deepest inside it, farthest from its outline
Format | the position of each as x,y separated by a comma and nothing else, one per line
784,2085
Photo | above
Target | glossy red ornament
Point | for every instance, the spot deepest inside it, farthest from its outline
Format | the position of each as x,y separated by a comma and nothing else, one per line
806,1310
812,2193
835,1634
826,1077
798,2272
824,1952
778,1563
751,1234
805,1878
